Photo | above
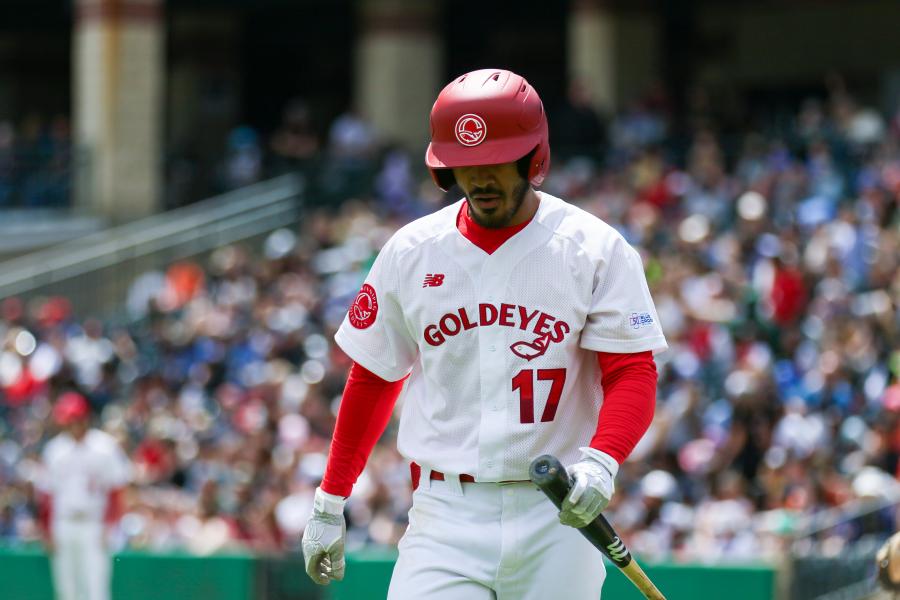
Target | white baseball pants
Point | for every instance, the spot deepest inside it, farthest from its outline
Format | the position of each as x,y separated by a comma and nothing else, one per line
81,564
491,541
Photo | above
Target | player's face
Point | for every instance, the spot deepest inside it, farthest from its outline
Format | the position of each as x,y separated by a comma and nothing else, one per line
78,429
496,194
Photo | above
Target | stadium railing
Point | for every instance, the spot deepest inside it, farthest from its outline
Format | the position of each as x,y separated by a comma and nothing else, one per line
95,272
824,568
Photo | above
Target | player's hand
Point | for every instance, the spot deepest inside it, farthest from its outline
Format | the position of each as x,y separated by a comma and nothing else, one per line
592,487
323,539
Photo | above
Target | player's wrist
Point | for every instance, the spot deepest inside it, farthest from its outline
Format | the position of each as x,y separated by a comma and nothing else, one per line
607,461
328,503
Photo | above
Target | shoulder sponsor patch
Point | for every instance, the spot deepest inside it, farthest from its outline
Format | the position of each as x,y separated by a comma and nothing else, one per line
637,320
364,309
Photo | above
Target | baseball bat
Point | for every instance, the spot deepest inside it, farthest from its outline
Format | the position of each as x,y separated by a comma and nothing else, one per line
548,474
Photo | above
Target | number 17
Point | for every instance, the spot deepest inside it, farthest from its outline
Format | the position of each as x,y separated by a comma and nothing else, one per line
524,382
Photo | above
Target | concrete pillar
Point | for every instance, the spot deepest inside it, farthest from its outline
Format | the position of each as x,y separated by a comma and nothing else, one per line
591,49
615,53
117,106
398,68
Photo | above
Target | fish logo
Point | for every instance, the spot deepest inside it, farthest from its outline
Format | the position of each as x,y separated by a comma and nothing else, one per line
531,350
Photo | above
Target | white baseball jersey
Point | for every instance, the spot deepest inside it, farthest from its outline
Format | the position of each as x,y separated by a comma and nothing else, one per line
502,347
79,475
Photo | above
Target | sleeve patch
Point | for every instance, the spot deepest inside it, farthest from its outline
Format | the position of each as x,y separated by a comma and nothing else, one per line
638,320
364,309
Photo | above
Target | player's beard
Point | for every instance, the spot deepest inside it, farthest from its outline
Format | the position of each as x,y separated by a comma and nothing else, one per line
499,217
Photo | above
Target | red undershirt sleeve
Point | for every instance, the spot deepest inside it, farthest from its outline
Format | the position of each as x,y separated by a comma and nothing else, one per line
365,410
44,513
629,400
115,506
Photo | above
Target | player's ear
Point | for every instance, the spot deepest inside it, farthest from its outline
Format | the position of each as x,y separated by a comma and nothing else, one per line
523,164
444,178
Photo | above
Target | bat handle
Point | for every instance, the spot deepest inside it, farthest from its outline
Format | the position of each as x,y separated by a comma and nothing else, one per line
551,477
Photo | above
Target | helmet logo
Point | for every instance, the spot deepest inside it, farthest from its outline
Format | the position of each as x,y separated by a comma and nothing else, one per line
470,130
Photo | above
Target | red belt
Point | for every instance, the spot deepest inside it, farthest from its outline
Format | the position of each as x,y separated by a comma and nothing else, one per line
415,472
440,477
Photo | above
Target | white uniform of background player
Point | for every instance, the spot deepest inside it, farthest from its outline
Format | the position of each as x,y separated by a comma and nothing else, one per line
501,351
81,466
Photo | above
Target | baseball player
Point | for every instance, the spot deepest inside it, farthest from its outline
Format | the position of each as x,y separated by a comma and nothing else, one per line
83,469
516,325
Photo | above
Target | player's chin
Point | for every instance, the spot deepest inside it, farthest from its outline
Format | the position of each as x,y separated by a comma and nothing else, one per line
492,217
489,214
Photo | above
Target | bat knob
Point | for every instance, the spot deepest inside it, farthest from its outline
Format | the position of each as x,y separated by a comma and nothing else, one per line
542,467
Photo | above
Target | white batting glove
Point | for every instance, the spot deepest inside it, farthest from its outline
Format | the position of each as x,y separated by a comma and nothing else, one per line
592,487
323,539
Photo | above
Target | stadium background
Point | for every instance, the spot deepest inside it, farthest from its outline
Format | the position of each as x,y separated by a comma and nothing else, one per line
192,191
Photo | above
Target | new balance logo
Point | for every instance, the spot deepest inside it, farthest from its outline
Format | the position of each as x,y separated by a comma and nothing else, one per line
617,549
433,280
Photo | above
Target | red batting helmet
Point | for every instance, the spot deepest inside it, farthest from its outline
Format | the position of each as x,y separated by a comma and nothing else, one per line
487,117
70,407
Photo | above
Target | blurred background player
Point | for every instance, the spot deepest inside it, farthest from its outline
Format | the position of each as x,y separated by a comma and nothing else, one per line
84,471
509,311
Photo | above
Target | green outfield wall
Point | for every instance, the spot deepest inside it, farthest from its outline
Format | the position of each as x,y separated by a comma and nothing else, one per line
368,574
25,575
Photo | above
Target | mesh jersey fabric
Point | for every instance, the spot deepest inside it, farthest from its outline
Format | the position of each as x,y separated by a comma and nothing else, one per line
490,340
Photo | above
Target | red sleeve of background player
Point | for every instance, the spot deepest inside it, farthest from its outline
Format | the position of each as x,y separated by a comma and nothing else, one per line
366,408
629,400
115,506
44,512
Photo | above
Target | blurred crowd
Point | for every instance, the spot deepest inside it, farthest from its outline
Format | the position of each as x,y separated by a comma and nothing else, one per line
336,162
35,163
773,256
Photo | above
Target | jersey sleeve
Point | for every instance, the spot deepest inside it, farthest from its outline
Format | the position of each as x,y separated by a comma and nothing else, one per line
43,477
622,317
374,332
120,471
113,467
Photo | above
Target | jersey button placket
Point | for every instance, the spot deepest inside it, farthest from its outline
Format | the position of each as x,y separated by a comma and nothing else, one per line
492,433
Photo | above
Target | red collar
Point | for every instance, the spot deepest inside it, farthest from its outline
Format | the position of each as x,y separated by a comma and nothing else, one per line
485,238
